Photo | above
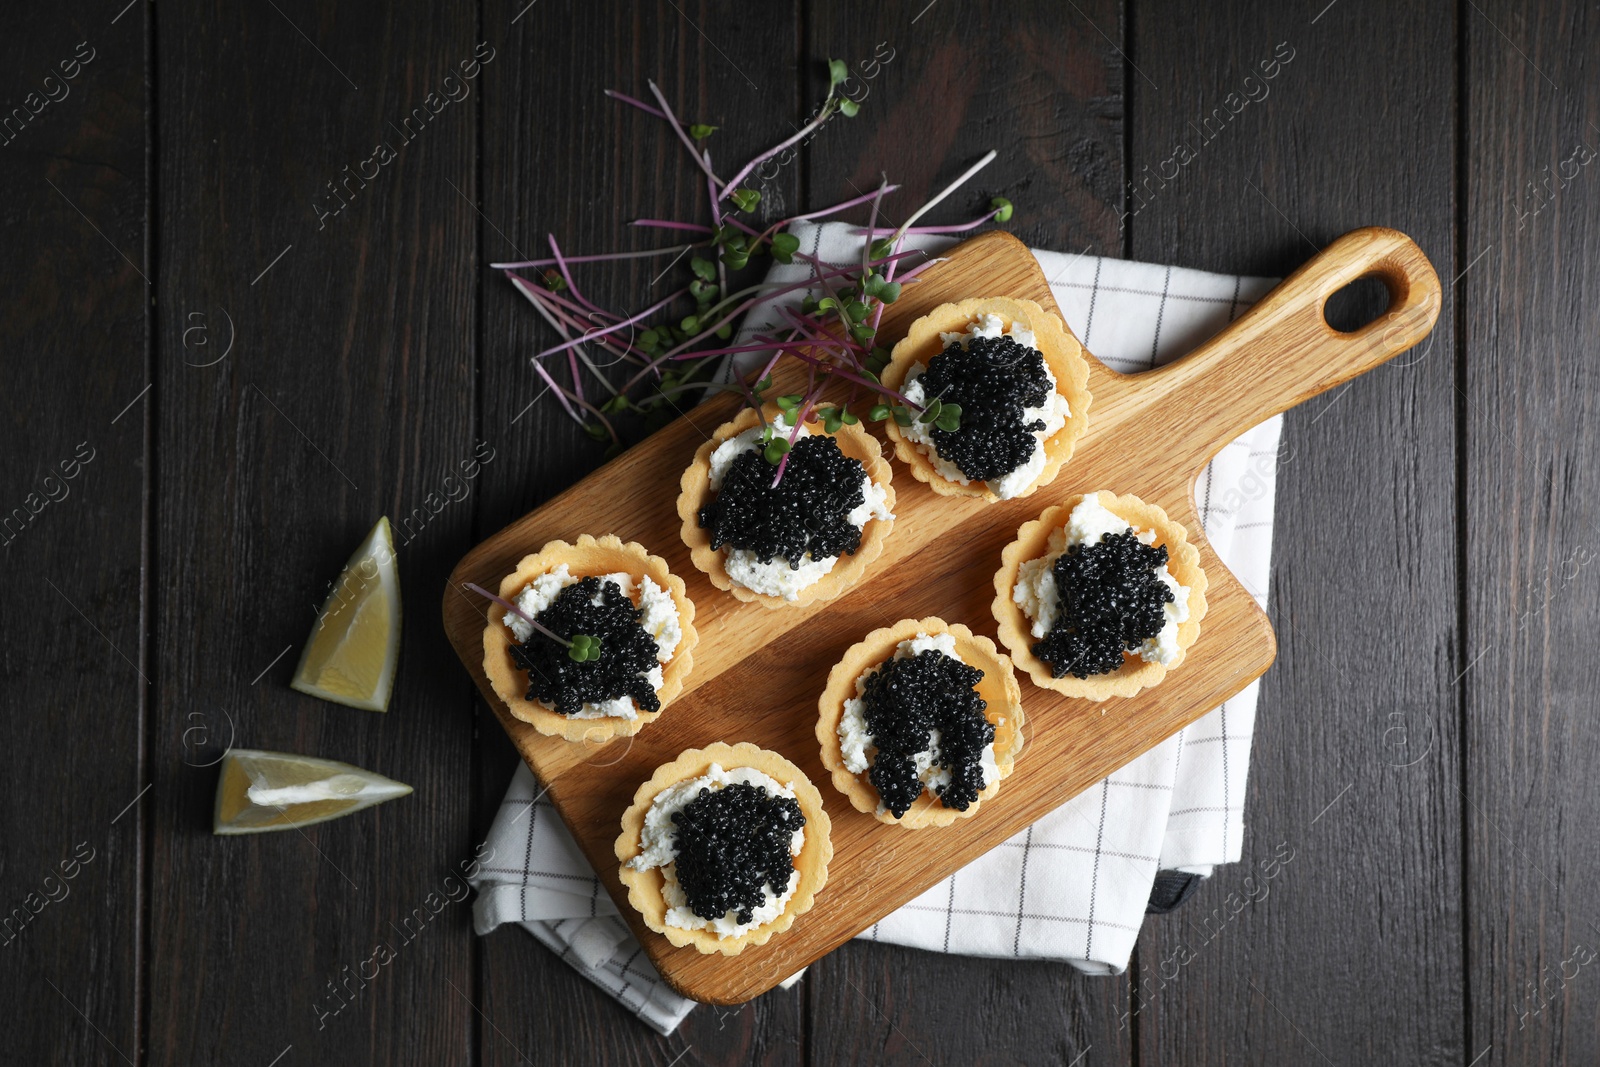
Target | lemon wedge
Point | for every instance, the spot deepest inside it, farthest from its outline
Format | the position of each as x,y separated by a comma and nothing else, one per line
352,653
261,791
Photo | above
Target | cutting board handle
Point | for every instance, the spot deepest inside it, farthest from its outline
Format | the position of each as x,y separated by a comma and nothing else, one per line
1282,351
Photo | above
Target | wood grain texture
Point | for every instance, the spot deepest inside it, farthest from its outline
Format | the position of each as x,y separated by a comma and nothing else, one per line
747,656
348,395
1047,94
560,158
1532,546
73,330
1353,954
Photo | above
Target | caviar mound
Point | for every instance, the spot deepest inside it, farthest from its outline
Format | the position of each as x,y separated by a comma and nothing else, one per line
644,887
588,556
626,650
1116,602
733,846
807,511
995,380
906,701
997,688
1061,352
853,442
1134,674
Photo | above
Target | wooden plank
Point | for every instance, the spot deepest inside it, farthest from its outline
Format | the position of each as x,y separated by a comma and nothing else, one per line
73,427
1362,928
1048,96
560,158
1533,533
348,394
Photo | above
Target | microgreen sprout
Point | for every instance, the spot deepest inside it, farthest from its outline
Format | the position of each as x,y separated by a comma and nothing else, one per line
673,347
582,648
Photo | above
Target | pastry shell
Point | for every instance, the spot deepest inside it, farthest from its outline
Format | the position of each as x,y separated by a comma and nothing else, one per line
590,556
1062,354
998,687
644,887
1135,674
695,492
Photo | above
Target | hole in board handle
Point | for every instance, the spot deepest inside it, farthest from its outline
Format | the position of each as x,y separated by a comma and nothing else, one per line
1361,302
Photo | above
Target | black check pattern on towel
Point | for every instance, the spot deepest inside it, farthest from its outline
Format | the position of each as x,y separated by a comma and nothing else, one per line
1075,885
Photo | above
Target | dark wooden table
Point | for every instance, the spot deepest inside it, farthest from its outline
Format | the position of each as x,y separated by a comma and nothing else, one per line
1425,744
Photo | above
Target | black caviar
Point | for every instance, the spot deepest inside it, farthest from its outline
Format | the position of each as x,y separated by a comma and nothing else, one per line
994,380
627,652
1110,601
807,511
730,843
906,699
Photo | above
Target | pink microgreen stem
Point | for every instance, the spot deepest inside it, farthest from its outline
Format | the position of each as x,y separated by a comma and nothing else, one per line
667,224
561,394
519,613
640,104
677,128
881,231
592,335
841,206
572,286
605,257
946,191
815,124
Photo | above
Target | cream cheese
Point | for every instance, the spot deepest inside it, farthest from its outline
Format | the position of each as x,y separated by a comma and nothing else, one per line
659,619
1036,594
1054,412
658,842
855,739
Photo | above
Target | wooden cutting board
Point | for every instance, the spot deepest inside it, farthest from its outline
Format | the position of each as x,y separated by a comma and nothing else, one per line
758,672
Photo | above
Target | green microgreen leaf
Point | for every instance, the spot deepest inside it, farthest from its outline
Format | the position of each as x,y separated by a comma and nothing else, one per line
857,310
879,412
649,340
596,431
700,131
724,331
745,199
849,108
702,291
889,292
827,303
615,404
1002,208
553,280
847,417
862,332
735,259
838,71
784,246
902,415
690,324
949,418
704,269
882,248
776,449
930,412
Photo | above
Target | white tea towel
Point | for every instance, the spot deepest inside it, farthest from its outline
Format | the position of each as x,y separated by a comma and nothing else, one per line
1074,885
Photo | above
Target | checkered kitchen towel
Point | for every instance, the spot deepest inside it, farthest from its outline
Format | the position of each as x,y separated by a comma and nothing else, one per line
1074,885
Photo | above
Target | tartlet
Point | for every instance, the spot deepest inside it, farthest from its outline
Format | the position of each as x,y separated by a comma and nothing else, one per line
998,688
1033,542
696,492
589,557
1063,357
645,886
